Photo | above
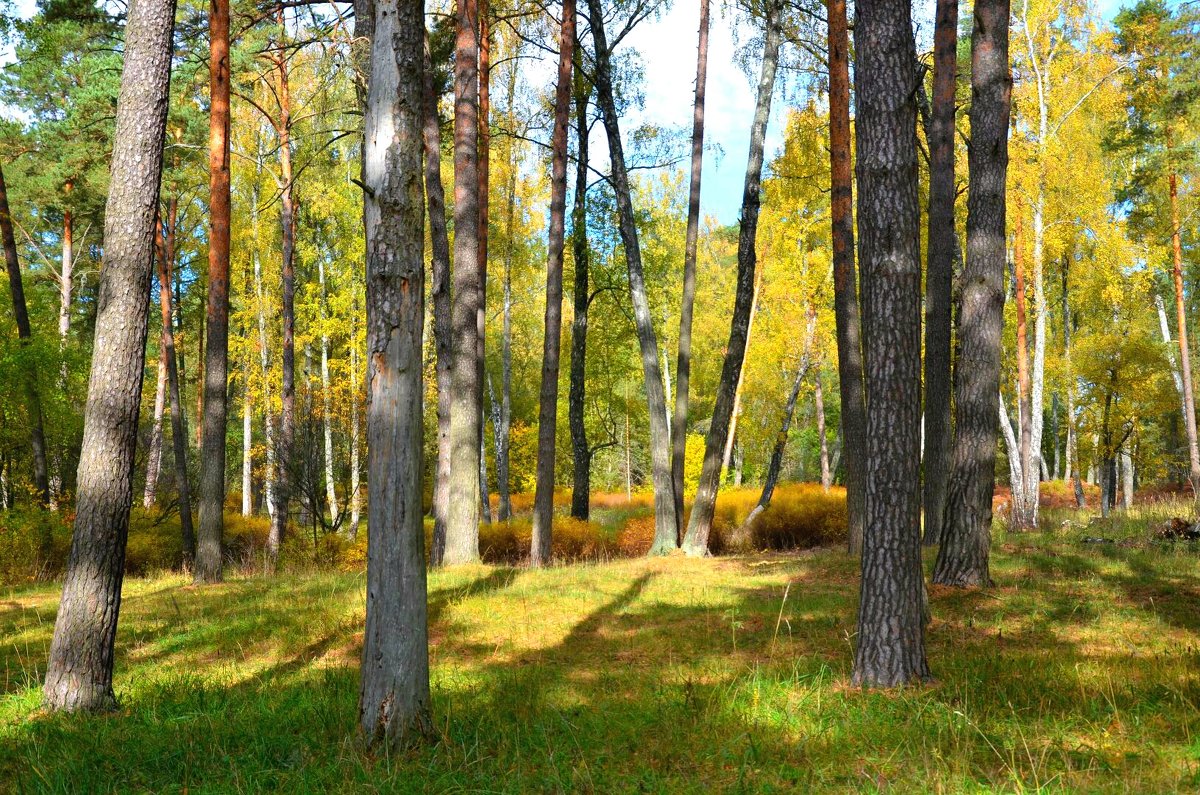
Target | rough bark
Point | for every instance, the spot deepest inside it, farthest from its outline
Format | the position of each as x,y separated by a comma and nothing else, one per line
695,542
543,498
211,496
665,525
683,368
845,279
79,672
963,556
394,692
940,268
891,632
581,452
466,403
37,435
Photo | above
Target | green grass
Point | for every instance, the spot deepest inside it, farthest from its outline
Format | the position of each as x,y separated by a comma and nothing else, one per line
1078,672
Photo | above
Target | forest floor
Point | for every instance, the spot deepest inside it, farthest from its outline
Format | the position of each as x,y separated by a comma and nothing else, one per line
1079,671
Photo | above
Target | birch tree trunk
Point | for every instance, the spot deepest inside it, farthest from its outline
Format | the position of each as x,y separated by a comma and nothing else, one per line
247,444
543,497
80,668
665,525
503,431
154,454
1022,515
695,542
819,397
963,557
326,402
355,466
264,363
394,701
66,275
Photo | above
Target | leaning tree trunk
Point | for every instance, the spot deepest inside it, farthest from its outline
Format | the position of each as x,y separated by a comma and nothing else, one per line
891,630
79,672
684,367
216,362
695,542
581,452
543,497
963,556
166,263
940,271
440,293
466,402
845,281
394,692
37,435
665,525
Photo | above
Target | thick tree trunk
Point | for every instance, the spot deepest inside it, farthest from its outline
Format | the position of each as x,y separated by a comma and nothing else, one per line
581,452
79,672
695,542
1185,368
665,525
543,498
326,401
684,367
845,280
394,694
891,629
440,293
943,243
466,403
963,556
154,453
216,358
166,265
37,435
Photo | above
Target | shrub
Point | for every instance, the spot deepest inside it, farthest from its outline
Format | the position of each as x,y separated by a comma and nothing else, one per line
34,544
571,540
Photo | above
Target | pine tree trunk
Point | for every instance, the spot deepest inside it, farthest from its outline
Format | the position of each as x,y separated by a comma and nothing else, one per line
466,403
543,497
154,454
1185,368
943,242
211,496
845,280
665,525
79,672
891,634
695,542
581,452
179,436
37,435
684,367
963,556
394,698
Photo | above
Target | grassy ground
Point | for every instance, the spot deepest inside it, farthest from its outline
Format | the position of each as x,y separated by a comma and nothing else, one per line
1078,672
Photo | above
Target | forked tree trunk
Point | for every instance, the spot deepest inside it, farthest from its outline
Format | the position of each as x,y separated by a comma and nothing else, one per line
37,435
963,557
940,271
891,632
695,542
79,672
543,497
684,367
440,293
665,525
581,452
466,403
216,357
154,454
394,691
845,279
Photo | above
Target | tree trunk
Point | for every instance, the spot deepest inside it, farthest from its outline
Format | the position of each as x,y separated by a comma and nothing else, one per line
1126,479
891,631
845,280
695,542
326,402
731,436
943,242
819,396
247,443
485,502
179,442
440,294
355,484
963,556
1021,496
394,694
503,431
665,525
79,672
154,454
581,452
1185,368
466,403
37,435
684,367
216,357
66,279
543,497
263,359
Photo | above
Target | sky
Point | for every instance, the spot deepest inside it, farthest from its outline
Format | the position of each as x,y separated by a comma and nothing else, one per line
667,48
